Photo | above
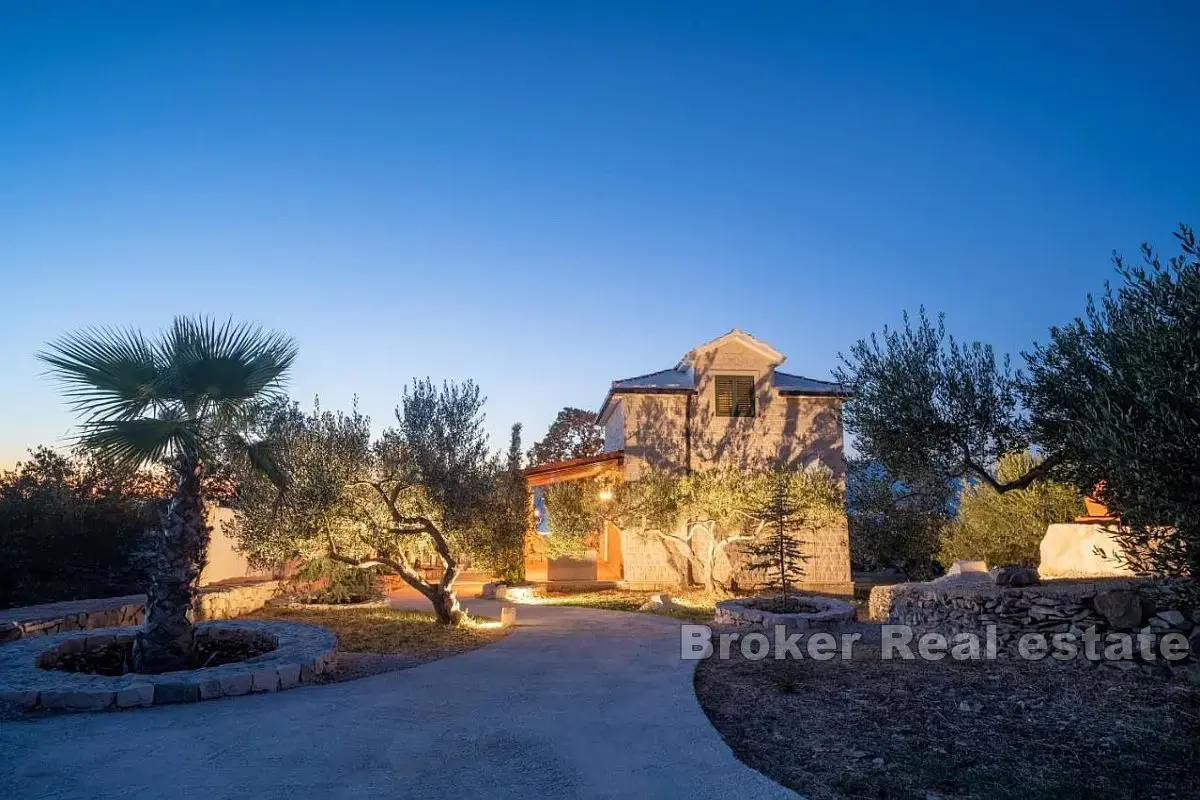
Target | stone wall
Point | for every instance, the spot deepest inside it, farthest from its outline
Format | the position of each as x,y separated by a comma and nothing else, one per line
1133,606
73,615
234,598
218,601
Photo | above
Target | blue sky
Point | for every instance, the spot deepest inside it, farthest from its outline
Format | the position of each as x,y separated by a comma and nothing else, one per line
547,196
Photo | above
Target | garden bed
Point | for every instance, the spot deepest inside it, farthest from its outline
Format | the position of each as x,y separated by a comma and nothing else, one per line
88,671
800,613
1008,729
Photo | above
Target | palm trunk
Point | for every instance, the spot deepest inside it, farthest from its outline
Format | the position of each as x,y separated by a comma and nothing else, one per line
166,640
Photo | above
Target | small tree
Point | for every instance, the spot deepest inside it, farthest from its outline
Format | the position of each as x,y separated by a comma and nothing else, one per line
1008,528
429,486
778,553
511,516
1116,394
573,434
417,496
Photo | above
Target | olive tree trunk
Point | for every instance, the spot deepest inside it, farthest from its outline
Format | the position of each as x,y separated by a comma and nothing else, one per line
166,641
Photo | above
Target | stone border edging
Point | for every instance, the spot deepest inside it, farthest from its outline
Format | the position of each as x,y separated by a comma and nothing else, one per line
302,652
833,614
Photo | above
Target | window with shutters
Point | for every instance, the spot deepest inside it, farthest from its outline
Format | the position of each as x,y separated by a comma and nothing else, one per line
735,395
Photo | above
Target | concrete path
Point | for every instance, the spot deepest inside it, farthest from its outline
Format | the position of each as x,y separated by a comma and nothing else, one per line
575,703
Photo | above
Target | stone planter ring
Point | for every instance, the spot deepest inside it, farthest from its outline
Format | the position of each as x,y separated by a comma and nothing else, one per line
301,653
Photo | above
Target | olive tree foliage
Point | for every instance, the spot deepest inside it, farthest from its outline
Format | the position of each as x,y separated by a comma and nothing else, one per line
894,525
416,496
323,453
926,406
698,517
1006,529
1116,395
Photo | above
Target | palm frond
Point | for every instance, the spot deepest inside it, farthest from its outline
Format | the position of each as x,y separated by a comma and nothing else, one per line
132,442
107,373
213,366
262,456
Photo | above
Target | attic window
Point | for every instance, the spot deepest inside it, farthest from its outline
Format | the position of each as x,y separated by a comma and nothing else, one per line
735,395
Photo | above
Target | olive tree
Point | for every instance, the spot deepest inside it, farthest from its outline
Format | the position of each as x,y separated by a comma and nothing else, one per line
1116,396
415,496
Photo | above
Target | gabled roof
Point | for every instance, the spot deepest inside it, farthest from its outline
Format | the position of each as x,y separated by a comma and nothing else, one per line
682,380
741,337
665,379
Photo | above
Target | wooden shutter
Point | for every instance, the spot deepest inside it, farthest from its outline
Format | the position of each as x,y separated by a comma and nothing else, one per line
735,396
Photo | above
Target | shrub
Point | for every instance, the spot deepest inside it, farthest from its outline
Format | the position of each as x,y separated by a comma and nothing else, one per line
70,529
344,584
1005,529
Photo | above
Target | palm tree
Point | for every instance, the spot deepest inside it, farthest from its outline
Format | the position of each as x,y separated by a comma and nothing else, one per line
181,398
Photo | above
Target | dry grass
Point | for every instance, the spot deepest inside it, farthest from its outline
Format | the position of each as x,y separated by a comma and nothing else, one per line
689,605
377,629
897,729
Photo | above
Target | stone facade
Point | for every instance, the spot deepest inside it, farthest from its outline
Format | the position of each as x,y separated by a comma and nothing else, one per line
669,421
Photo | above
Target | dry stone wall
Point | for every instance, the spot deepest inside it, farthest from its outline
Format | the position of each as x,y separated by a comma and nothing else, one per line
1133,606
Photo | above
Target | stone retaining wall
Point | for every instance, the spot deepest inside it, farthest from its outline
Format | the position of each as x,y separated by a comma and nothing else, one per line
233,599
1134,606
218,601
73,615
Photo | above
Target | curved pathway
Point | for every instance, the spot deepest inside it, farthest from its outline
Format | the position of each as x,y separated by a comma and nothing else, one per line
574,703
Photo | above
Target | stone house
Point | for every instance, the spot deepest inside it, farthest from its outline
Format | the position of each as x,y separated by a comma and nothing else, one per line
725,403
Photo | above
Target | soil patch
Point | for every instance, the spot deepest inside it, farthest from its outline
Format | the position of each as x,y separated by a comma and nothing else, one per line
869,728
117,658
